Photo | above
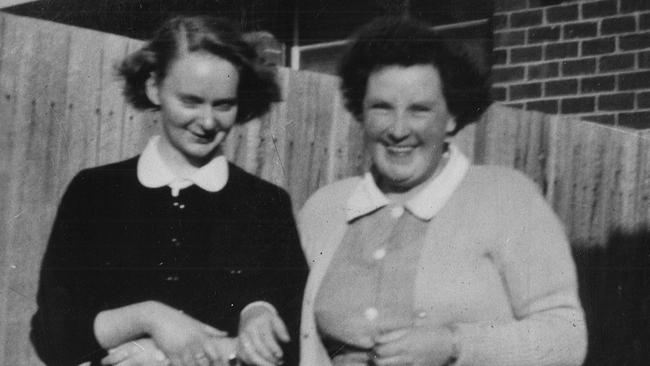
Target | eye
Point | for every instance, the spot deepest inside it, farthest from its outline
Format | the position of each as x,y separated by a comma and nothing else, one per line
421,109
190,102
379,107
225,106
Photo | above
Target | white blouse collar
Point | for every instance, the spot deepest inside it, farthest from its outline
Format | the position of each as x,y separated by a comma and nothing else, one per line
153,172
367,197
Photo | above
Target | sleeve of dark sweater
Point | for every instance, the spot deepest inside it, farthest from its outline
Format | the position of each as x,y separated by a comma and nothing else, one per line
62,327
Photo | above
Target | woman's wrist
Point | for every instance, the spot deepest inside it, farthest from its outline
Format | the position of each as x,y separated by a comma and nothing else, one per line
115,326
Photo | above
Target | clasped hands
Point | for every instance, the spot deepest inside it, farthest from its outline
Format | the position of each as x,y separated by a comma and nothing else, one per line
413,346
177,339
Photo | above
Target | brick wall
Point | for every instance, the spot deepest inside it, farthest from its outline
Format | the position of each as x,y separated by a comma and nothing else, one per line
581,57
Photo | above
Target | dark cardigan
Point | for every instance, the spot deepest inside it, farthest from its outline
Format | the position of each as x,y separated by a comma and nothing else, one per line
115,242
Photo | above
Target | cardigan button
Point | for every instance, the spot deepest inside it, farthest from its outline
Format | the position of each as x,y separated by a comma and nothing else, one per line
172,278
379,254
371,314
397,212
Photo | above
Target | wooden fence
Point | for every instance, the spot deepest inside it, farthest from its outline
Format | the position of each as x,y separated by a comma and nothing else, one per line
61,110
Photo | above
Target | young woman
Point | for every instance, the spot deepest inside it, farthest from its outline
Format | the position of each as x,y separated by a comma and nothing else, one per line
176,256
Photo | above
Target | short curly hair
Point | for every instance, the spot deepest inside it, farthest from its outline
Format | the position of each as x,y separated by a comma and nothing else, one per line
257,88
407,42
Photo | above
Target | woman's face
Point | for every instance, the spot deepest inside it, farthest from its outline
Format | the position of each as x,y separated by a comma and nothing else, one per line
198,104
405,121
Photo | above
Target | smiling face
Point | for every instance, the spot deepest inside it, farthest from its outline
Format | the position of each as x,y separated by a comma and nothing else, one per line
405,121
198,105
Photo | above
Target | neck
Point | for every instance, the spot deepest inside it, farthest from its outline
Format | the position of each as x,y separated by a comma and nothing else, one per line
399,194
180,164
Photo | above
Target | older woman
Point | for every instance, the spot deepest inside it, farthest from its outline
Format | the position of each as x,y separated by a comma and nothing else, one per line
426,259
160,257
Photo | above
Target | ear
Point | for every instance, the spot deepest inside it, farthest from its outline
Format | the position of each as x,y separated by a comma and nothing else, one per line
152,91
451,125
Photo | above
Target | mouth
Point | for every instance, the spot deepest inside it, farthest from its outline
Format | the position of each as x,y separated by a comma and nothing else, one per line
400,149
204,137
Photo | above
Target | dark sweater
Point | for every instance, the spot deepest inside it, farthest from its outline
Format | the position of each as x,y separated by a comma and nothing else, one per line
115,242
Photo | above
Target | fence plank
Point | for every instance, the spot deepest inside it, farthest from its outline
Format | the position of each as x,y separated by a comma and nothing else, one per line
111,104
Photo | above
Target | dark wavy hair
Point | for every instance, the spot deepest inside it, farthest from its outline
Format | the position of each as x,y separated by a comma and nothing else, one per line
407,42
257,87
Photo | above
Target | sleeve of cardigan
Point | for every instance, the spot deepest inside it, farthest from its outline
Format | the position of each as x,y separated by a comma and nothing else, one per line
62,327
539,274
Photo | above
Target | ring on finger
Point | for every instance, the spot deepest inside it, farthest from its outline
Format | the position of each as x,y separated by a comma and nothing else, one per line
233,360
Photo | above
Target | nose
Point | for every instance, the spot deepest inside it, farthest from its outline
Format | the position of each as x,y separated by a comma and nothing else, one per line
399,128
208,119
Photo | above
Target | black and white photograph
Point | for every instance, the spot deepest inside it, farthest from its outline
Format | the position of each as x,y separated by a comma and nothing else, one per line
325,183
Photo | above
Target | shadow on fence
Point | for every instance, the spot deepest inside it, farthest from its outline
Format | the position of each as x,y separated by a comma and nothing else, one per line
615,292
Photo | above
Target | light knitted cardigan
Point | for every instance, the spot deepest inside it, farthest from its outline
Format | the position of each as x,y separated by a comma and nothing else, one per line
496,263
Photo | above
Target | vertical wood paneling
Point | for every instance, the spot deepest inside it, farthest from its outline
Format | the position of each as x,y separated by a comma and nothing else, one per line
40,99
7,92
111,103
61,110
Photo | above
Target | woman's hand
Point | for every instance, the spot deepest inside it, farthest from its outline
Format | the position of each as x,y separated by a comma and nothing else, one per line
260,328
185,340
417,346
142,352
226,348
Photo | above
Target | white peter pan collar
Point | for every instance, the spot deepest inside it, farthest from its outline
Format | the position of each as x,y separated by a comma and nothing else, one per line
153,172
367,197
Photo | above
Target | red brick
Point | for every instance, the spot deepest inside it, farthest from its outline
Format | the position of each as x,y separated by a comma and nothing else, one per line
580,30
525,54
506,39
499,93
616,62
545,106
524,91
578,105
639,120
561,87
634,5
579,67
644,21
616,102
508,5
551,2
644,60
598,84
562,13
500,21
544,34
543,71
507,74
617,25
634,80
526,18
560,50
635,41
499,57
608,119
598,9
598,46
643,100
